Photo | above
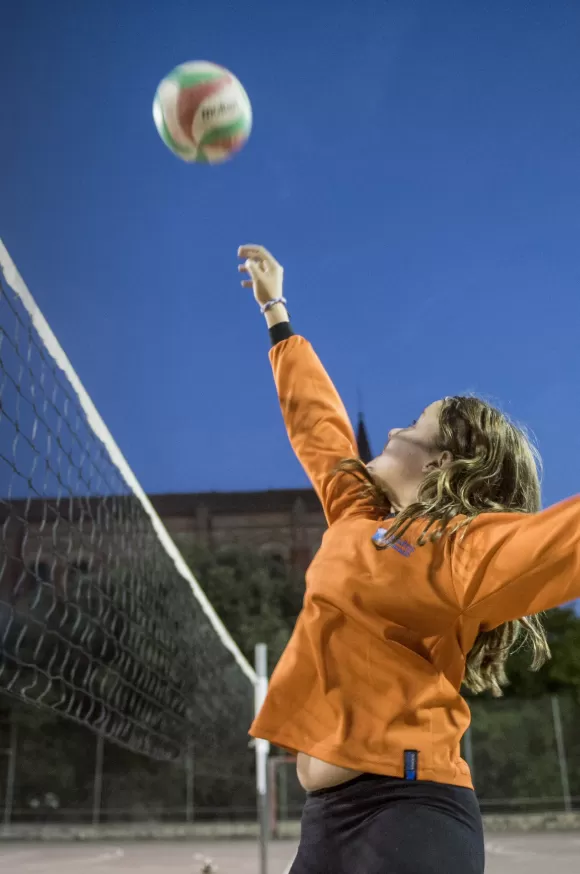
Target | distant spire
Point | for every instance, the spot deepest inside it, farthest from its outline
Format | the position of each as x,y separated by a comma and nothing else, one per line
362,440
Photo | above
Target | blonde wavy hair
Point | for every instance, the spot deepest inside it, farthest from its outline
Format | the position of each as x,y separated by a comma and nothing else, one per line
495,469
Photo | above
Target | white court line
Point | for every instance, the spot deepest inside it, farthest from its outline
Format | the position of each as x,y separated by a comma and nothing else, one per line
53,347
495,848
287,870
109,856
7,854
500,850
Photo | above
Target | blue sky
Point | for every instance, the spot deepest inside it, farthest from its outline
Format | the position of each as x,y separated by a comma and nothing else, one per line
414,165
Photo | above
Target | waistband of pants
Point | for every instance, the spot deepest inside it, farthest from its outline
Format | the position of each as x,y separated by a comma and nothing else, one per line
383,780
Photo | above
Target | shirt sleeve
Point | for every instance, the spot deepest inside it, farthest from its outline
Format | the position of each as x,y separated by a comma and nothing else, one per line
279,332
510,565
318,427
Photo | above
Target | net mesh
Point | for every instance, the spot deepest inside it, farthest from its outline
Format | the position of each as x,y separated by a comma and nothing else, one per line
97,622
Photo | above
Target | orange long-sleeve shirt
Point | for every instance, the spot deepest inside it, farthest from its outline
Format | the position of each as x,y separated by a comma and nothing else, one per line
376,661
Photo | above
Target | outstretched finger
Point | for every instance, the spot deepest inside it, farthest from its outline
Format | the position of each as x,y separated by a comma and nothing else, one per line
251,249
256,252
247,283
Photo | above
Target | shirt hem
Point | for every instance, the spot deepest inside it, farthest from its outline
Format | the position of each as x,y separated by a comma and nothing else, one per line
335,756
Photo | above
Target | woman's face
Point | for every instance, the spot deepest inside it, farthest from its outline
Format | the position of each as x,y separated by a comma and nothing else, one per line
410,453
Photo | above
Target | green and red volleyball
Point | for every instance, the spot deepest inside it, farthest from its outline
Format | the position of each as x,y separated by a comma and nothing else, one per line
202,112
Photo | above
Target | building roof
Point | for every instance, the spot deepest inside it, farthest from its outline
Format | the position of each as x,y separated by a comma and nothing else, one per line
234,503
170,505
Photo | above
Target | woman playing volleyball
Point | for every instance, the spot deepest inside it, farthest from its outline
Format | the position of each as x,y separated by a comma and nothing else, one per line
435,561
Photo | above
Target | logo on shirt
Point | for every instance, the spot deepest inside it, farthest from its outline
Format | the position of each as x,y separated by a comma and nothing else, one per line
383,540
411,759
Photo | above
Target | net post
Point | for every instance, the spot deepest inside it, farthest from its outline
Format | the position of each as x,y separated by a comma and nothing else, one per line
98,781
561,750
262,750
11,770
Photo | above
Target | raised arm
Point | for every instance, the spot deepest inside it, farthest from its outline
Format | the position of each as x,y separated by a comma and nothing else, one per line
512,565
316,421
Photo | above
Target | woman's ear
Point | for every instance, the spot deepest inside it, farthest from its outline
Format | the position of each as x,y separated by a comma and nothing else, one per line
440,462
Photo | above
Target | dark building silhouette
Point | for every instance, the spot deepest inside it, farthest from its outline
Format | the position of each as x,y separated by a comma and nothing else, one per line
287,524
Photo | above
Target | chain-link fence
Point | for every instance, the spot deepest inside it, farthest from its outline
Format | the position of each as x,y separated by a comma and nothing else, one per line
53,771
525,755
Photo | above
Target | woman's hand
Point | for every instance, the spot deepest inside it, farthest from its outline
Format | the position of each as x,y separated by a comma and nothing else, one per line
266,276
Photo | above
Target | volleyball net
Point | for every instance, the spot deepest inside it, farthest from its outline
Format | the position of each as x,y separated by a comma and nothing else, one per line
101,620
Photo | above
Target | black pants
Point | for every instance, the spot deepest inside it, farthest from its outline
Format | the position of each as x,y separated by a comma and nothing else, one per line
385,825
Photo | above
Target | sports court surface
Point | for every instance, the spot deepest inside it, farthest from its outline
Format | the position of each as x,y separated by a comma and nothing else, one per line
558,853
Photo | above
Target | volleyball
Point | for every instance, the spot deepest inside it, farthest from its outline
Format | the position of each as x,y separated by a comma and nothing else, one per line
202,112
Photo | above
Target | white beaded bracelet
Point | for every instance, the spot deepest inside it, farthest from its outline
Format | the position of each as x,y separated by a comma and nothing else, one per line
271,303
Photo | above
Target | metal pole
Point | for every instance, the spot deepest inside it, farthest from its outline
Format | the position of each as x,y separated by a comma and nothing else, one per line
98,783
262,751
561,748
11,771
189,785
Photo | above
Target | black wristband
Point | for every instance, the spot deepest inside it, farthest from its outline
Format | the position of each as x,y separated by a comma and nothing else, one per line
279,332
